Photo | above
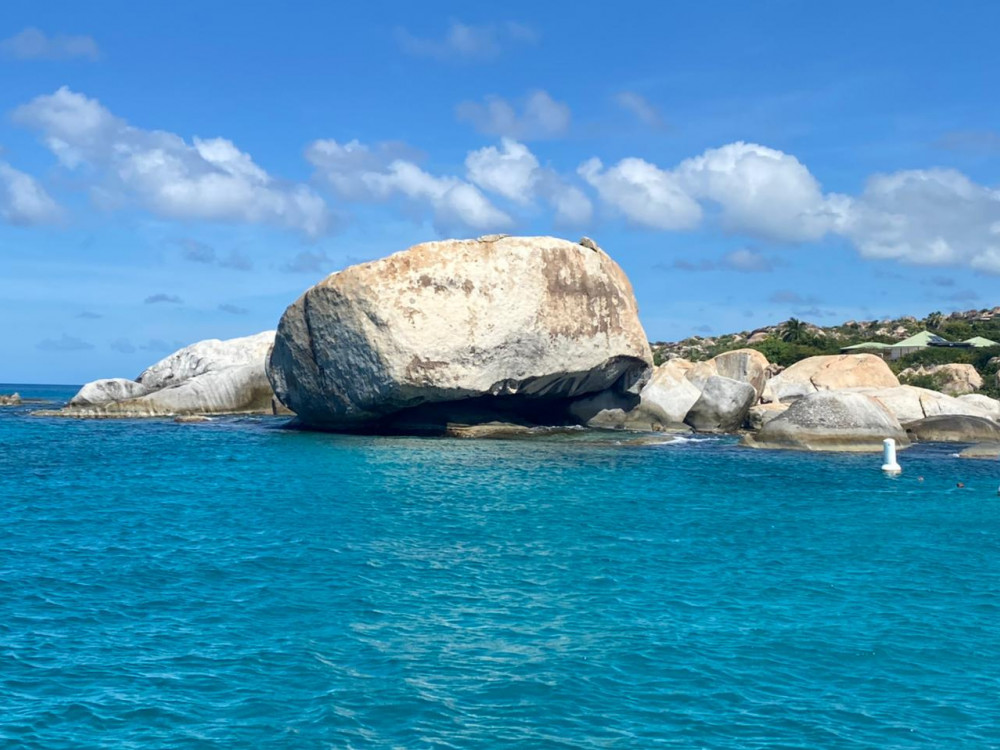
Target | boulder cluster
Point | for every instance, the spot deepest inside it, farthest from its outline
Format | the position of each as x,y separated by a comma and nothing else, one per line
499,336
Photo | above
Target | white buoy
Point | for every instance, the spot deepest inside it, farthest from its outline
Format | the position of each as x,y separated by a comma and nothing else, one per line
889,465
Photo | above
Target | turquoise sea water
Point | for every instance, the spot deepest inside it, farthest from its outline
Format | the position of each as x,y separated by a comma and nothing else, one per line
236,585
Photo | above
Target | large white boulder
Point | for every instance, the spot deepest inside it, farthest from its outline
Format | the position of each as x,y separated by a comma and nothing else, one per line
990,406
518,323
669,394
744,365
205,356
827,373
210,377
661,405
722,406
108,390
909,403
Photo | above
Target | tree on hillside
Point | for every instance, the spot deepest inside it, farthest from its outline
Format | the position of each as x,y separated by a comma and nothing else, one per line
794,330
934,320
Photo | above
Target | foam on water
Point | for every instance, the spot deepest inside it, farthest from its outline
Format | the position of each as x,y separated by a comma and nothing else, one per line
231,584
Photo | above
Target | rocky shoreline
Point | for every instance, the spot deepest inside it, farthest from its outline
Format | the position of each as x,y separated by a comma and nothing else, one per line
514,336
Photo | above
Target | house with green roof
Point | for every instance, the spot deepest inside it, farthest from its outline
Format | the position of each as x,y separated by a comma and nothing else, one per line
980,343
914,343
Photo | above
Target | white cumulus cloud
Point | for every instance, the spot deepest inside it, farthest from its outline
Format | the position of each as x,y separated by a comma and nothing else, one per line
541,116
934,217
761,192
757,190
23,201
513,172
208,179
645,194
357,172
928,217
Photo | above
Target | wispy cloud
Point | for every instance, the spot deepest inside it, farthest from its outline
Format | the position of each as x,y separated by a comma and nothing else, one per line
789,297
308,261
638,106
233,309
236,261
34,44
743,260
198,252
467,42
154,299
64,343
982,141
540,116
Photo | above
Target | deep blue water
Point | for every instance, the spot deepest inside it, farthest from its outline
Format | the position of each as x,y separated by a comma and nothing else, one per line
236,585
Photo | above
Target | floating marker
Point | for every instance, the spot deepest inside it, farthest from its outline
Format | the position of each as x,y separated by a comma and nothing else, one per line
889,465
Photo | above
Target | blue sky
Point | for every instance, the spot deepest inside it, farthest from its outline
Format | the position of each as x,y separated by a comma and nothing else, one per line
184,173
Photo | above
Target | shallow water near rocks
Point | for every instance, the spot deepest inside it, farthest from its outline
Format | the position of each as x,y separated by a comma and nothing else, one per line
231,584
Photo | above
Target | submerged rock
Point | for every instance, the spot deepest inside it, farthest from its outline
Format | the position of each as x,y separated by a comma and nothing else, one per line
953,429
982,450
524,323
831,421
209,377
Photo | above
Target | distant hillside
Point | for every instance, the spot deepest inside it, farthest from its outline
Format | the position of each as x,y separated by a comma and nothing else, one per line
787,342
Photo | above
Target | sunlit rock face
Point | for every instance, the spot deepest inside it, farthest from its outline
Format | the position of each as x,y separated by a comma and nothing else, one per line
501,324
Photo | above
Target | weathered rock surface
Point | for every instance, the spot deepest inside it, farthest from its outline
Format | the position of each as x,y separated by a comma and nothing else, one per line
990,406
982,450
827,373
722,406
761,414
830,421
744,365
206,356
955,379
210,377
108,390
953,429
909,403
669,394
10,399
526,323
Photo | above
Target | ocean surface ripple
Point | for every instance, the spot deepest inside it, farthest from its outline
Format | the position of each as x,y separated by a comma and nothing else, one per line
235,585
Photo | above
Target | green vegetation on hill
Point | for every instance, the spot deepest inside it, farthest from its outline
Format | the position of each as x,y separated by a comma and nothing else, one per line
788,342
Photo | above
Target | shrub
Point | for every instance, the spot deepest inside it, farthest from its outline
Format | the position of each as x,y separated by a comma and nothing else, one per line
931,382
